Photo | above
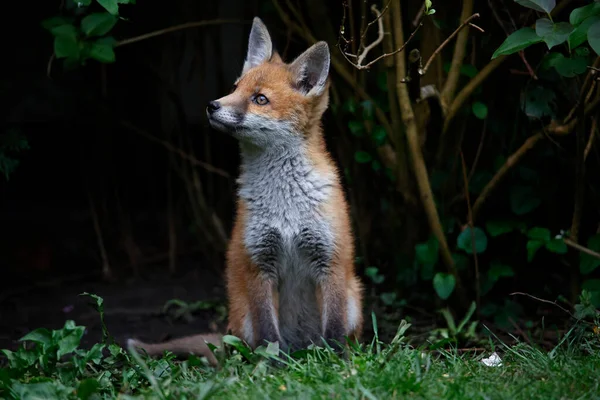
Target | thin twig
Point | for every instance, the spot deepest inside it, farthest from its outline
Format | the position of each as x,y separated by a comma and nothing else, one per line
106,270
543,301
176,150
590,142
380,34
471,225
179,27
360,57
448,39
581,248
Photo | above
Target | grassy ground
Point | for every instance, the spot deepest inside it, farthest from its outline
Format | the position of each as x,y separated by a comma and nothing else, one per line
57,368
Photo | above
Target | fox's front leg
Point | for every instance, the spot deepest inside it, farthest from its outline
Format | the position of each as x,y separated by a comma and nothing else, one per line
265,250
319,248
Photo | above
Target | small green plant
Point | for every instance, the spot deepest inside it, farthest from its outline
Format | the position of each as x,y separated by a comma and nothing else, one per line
78,39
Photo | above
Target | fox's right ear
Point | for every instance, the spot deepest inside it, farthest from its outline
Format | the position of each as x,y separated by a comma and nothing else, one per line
260,46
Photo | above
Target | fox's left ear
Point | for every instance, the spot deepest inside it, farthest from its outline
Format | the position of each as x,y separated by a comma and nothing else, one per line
311,69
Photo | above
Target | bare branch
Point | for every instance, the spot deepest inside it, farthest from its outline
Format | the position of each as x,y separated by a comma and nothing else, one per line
449,38
381,33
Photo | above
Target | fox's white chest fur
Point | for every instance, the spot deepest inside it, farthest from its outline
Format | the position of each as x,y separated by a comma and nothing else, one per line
283,194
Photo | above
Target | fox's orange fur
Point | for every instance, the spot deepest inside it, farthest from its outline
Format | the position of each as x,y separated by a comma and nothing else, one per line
290,261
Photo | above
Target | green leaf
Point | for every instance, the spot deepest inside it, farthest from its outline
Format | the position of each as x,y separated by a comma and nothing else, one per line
356,128
466,237
102,52
557,246
373,273
87,387
580,14
516,41
500,226
570,67
538,101
480,110
388,298
532,247
443,284
65,46
593,35
544,6
40,335
427,252
53,22
111,6
498,270
523,200
553,33
379,135
538,233
362,157
238,344
70,342
40,390
580,34
587,262
98,24
367,106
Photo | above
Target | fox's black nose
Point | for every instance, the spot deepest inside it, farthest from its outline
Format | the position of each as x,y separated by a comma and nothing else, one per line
213,106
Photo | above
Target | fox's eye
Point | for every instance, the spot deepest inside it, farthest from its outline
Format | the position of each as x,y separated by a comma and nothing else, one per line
261,99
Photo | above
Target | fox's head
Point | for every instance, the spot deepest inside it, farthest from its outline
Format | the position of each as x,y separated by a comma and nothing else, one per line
273,102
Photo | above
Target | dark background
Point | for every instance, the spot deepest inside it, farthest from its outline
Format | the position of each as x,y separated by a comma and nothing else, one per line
94,155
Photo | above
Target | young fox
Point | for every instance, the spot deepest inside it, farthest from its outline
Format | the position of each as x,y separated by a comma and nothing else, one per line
290,272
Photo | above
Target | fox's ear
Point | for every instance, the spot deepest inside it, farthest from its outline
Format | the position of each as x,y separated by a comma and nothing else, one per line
311,69
260,47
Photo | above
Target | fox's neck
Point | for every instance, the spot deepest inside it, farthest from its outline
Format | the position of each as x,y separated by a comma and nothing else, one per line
282,174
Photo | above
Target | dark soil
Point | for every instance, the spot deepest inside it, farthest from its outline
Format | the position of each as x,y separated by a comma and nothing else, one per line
132,308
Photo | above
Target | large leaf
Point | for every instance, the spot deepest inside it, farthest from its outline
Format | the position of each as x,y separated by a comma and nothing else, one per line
580,34
111,6
557,246
589,263
538,5
466,238
580,14
443,284
98,24
480,110
532,247
538,233
553,33
570,67
538,101
40,335
523,200
427,252
498,270
593,36
516,41
102,52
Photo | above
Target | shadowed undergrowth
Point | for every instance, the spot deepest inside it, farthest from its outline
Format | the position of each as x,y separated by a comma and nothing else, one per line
50,365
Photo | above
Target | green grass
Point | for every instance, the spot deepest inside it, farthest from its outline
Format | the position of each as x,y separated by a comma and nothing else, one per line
56,368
